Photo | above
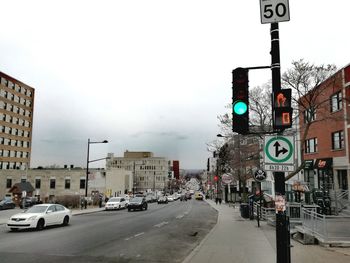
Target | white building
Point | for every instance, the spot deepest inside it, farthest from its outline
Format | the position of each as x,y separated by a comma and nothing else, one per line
149,173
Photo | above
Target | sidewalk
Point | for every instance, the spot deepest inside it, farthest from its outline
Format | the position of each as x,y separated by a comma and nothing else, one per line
6,214
233,239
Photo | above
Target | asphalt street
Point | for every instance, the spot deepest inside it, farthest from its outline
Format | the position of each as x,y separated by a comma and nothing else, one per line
163,233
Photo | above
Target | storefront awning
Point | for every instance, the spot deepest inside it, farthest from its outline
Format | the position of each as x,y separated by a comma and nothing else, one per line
323,164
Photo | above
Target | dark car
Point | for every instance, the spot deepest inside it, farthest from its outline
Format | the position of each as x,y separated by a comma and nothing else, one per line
137,203
7,204
28,202
162,200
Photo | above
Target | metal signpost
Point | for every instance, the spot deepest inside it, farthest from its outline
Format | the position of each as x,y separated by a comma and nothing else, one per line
274,11
259,176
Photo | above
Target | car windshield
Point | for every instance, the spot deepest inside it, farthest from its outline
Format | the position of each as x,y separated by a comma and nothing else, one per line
136,199
114,199
37,209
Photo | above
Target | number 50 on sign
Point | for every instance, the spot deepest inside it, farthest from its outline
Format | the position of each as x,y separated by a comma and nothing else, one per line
274,11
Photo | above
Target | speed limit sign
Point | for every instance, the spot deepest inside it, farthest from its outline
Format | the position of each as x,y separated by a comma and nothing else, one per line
274,11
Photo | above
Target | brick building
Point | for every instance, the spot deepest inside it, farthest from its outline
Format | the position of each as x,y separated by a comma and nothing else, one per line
326,148
16,122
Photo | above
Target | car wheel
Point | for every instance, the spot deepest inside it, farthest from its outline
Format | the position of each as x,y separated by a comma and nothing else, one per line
146,207
129,209
66,221
40,225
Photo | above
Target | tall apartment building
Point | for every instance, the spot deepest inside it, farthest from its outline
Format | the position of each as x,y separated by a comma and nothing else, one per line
16,119
326,149
149,172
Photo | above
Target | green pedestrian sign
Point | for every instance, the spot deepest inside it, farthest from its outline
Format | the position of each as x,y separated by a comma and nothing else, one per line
279,153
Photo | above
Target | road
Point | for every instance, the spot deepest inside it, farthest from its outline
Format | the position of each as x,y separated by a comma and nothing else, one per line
163,233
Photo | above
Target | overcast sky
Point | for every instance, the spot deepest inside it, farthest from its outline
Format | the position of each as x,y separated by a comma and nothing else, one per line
149,75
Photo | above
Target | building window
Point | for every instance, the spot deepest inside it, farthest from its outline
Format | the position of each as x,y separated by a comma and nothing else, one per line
8,183
337,140
82,183
311,145
309,115
336,102
37,183
67,184
23,180
52,183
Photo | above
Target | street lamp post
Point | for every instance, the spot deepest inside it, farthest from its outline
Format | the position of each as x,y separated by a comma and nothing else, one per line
87,164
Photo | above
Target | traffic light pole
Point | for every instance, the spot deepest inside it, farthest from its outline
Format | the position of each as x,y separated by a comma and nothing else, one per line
282,221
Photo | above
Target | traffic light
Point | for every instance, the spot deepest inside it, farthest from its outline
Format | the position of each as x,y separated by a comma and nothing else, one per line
282,109
216,178
240,105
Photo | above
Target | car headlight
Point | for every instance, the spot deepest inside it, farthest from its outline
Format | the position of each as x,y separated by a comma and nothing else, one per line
31,218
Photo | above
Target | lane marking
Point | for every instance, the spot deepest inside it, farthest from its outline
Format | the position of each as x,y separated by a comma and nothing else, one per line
139,234
161,224
180,216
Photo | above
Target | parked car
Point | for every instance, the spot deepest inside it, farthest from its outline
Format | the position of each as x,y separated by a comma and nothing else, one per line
28,202
162,200
127,200
115,203
7,204
39,217
170,198
137,203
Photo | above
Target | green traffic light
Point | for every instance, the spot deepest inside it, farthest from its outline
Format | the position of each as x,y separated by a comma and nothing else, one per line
240,107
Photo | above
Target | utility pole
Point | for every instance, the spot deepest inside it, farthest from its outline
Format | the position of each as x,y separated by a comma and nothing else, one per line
282,221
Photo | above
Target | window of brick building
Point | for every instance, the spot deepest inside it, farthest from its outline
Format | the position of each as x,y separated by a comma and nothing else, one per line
337,140
311,145
309,115
336,102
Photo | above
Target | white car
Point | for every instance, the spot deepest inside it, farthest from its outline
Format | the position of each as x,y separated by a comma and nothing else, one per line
116,203
40,216
170,198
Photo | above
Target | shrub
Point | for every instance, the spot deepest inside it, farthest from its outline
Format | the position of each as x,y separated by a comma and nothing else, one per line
69,201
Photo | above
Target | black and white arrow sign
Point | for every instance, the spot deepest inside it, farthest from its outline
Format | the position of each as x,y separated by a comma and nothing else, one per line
279,150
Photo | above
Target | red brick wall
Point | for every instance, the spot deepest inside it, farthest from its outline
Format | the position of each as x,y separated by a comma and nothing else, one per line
323,129
347,74
176,169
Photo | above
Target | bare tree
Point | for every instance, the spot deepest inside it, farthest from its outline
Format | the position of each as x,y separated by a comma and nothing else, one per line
308,96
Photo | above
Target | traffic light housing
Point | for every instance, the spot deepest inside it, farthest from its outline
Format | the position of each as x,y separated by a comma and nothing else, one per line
282,109
240,101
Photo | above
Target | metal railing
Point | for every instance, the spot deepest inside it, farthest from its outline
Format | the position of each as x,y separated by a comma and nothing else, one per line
266,212
339,200
327,228
294,212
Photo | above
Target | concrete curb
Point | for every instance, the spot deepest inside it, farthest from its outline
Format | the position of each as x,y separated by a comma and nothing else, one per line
87,212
